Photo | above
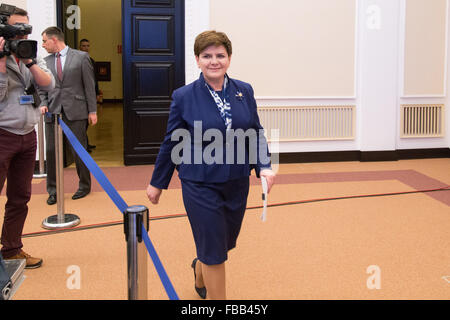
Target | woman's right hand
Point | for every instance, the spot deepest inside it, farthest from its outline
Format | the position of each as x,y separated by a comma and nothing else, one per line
153,194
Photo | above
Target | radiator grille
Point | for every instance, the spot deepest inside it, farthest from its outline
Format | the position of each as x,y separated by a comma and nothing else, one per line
309,123
419,120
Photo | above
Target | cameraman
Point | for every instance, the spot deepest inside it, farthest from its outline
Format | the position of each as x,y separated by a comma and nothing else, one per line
18,118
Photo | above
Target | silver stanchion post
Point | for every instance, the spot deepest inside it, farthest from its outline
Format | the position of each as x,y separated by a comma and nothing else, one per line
61,219
41,173
134,218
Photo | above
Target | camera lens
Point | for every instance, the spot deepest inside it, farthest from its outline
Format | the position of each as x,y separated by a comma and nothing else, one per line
24,49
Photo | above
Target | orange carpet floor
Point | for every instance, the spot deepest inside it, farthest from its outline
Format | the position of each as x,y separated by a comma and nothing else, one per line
307,249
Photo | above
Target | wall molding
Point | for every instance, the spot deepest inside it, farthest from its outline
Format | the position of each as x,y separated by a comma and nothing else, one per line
402,55
303,101
403,99
196,21
364,156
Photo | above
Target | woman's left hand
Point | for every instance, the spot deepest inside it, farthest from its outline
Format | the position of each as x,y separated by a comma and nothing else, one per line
270,177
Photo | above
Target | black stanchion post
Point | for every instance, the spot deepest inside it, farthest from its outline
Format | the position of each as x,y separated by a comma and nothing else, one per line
134,218
61,219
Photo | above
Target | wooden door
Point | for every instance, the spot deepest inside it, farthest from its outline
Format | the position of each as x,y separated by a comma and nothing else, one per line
153,66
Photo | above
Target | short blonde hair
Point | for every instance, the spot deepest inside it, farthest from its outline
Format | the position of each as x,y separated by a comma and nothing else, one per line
212,38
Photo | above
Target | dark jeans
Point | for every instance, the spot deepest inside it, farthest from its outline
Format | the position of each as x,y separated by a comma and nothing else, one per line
17,160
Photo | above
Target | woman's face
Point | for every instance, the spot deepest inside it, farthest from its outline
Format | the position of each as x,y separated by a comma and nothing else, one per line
214,62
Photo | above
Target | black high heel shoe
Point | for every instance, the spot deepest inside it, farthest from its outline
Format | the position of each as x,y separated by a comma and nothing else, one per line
201,291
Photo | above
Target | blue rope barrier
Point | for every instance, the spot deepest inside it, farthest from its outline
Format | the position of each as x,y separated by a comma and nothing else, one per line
121,205
94,168
159,267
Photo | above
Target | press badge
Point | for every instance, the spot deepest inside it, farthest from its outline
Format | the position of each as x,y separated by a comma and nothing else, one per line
26,99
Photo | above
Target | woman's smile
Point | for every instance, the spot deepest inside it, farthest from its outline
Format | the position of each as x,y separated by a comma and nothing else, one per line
214,62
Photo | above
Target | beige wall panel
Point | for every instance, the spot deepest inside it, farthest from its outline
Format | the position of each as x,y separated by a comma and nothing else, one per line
425,47
104,35
291,47
18,3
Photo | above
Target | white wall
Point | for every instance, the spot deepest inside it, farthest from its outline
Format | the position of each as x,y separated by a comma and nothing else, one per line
18,3
294,48
196,21
428,97
42,15
424,47
380,58
378,74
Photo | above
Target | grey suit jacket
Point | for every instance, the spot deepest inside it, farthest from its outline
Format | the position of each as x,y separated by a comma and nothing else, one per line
16,118
75,94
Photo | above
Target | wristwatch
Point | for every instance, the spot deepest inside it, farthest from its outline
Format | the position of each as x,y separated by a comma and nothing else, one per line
29,65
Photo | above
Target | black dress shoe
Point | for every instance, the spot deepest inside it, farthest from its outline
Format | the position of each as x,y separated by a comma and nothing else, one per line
80,194
201,291
51,199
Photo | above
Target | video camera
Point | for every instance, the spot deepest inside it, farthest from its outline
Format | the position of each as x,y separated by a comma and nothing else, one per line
23,49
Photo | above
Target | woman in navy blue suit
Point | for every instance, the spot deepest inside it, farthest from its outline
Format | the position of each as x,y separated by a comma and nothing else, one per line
212,127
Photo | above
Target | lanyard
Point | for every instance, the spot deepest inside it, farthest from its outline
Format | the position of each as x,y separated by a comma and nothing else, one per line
20,76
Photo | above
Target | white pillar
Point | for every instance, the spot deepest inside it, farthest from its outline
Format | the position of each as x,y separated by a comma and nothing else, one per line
378,74
196,21
42,14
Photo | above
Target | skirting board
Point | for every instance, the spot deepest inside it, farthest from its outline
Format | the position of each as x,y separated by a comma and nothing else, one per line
336,156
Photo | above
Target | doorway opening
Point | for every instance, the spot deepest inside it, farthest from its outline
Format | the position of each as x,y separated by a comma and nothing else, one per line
85,20
136,81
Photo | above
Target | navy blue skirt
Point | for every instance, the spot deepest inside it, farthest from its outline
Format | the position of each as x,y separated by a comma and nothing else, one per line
215,212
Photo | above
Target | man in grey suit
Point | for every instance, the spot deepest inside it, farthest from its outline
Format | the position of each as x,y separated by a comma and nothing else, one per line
73,97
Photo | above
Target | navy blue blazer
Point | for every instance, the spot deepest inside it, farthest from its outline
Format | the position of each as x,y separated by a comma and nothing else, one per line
194,102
